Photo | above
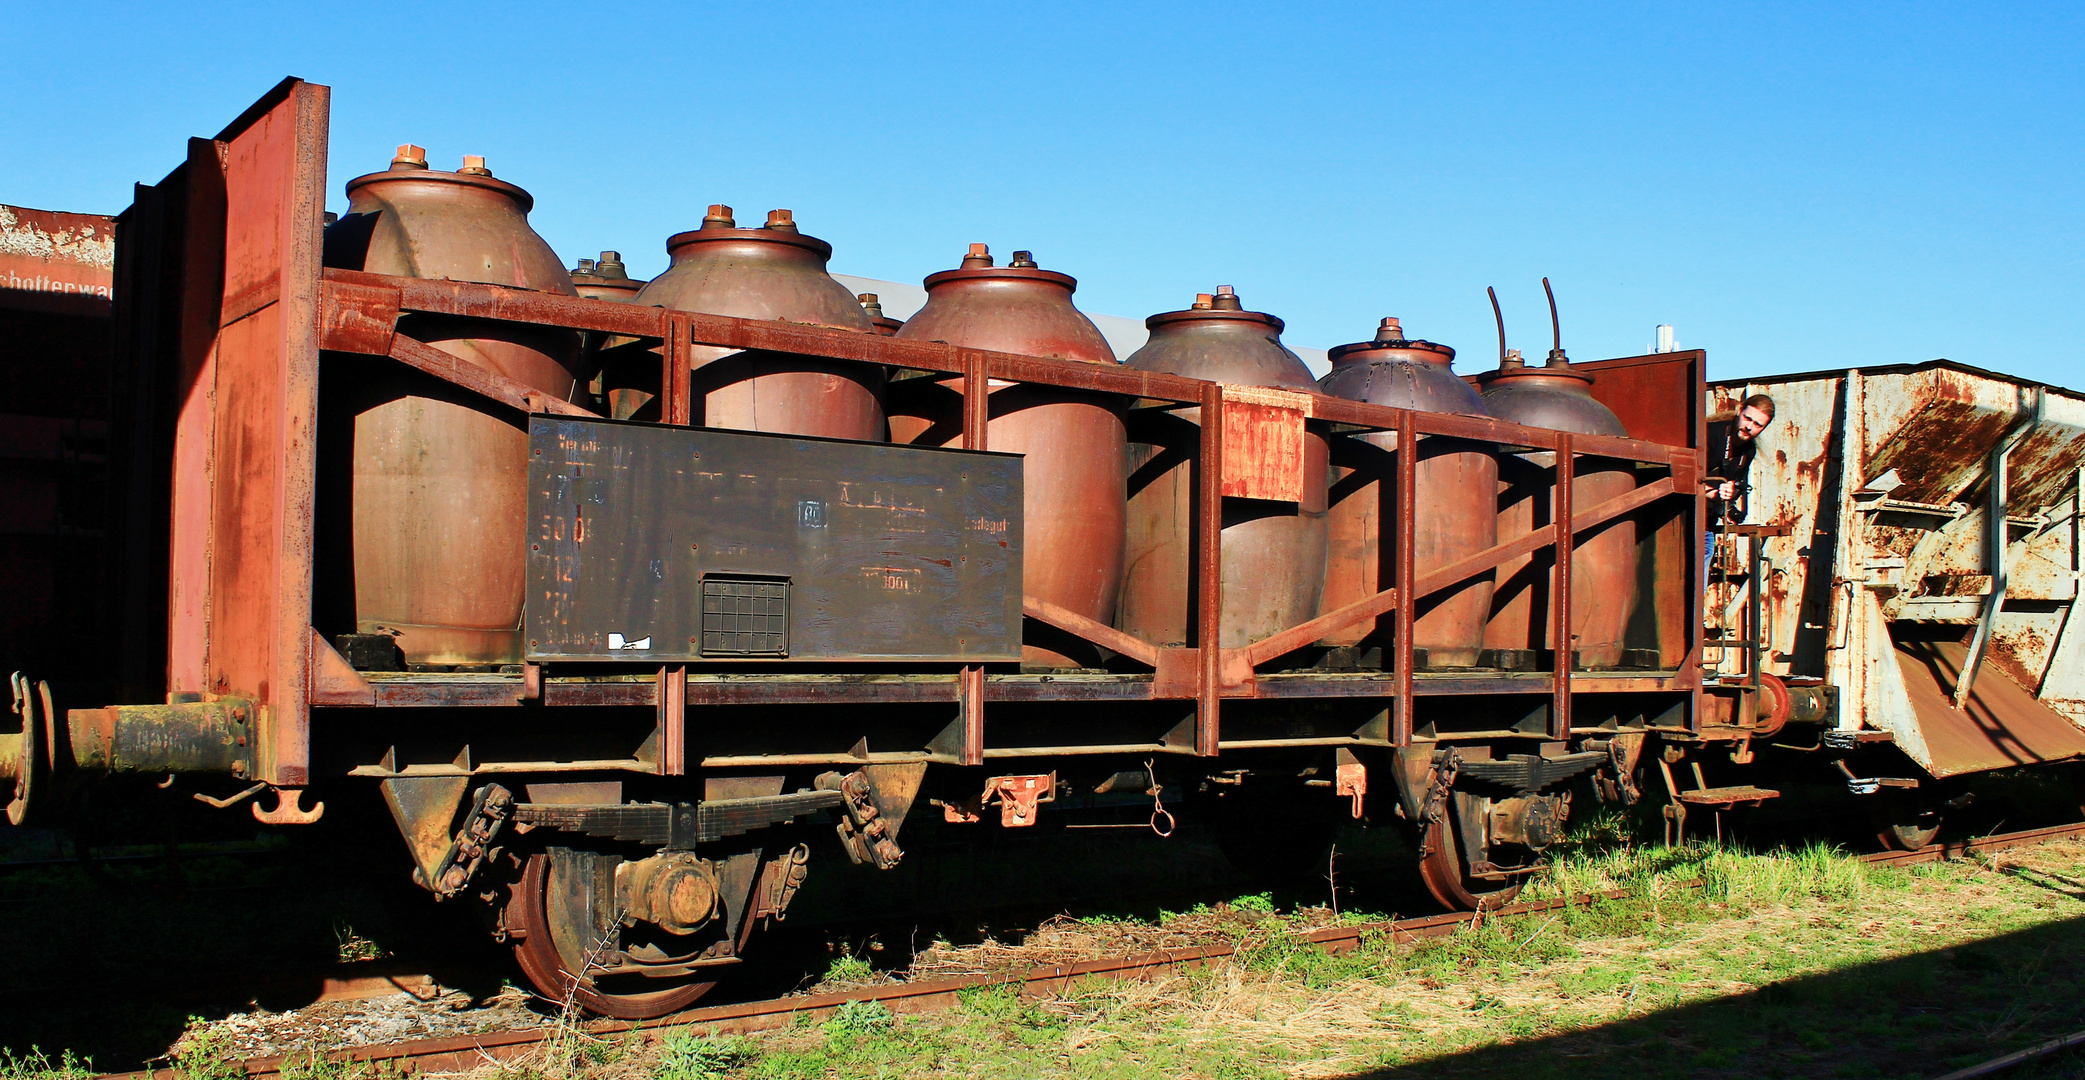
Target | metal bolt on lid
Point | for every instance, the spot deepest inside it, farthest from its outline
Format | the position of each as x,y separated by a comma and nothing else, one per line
720,216
781,219
980,256
1390,330
1227,299
409,157
473,165
1023,259
586,266
871,303
1203,301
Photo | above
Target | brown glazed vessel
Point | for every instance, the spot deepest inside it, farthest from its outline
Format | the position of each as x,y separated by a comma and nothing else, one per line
1075,445
872,306
772,272
1273,552
1603,566
1455,481
440,484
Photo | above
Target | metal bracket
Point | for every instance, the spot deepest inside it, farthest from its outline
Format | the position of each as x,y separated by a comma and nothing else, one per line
288,809
779,881
1446,765
472,848
864,830
1869,785
1351,780
1018,796
1850,739
1623,751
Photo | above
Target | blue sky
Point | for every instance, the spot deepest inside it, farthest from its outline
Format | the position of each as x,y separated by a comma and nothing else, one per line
1793,187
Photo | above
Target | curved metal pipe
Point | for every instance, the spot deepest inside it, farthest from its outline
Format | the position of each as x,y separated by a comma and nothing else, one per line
1501,317
1556,330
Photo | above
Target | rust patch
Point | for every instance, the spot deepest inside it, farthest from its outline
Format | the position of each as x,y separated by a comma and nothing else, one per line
2014,647
1940,451
63,260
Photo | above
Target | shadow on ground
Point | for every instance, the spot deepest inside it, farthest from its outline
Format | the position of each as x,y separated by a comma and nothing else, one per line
1918,1016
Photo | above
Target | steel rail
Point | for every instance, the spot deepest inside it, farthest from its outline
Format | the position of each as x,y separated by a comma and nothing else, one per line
925,995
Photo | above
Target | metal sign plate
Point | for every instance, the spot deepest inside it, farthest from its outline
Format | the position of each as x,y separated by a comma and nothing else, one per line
658,544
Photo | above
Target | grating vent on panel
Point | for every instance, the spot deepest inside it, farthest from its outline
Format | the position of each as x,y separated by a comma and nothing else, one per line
745,617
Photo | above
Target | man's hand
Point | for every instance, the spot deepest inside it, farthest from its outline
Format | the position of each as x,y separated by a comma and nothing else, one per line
1719,489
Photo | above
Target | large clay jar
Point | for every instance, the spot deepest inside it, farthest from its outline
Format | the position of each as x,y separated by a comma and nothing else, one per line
1455,481
1073,443
1273,552
772,272
1603,567
440,489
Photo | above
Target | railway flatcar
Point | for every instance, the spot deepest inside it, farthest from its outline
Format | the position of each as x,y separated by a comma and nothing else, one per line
614,592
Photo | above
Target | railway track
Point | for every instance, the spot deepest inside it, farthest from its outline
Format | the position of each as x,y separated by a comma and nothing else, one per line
463,1052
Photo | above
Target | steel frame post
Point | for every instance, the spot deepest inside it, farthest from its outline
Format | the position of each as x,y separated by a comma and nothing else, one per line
1407,573
1209,587
673,720
676,385
1566,651
677,380
977,422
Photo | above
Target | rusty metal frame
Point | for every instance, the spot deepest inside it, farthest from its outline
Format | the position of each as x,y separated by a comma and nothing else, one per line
240,550
251,564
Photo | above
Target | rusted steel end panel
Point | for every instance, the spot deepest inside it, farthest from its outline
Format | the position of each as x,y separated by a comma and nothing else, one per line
241,554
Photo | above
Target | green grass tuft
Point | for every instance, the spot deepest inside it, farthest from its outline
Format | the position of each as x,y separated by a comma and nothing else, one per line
36,1065
686,1056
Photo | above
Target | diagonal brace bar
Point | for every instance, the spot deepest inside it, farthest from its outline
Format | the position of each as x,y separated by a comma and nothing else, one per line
1099,633
506,391
1454,573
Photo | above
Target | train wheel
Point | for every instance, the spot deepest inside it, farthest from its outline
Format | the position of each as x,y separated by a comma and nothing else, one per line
1445,869
558,947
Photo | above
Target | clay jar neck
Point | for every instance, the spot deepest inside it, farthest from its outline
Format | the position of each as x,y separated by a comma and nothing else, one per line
1257,324
1546,380
1224,344
781,249
1012,282
1033,307
436,187
1423,353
